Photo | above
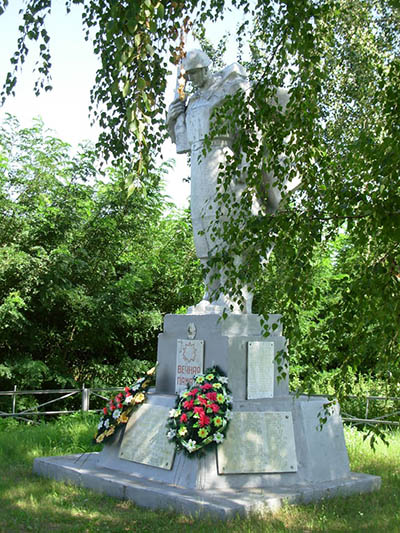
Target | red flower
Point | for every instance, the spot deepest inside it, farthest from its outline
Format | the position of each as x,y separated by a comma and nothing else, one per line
202,400
212,396
214,407
193,392
120,406
105,410
112,407
128,394
199,410
206,386
188,404
127,389
204,420
183,417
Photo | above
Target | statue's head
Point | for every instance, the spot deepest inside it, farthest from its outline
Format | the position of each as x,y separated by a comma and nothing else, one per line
195,64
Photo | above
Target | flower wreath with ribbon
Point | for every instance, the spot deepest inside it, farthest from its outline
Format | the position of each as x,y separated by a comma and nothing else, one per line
202,412
117,412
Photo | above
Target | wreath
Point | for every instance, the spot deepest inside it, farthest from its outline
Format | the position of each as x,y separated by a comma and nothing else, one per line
117,412
202,412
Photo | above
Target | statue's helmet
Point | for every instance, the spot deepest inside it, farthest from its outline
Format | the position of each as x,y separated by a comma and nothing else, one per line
195,59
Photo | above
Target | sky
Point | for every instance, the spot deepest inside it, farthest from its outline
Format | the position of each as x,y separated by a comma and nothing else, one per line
65,109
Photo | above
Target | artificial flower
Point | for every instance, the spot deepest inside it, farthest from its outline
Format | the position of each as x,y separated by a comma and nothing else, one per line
123,419
100,438
171,434
139,397
204,420
218,438
188,404
182,431
191,445
202,433
217,420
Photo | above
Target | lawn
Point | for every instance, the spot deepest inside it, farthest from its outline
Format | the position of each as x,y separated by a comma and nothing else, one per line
30,503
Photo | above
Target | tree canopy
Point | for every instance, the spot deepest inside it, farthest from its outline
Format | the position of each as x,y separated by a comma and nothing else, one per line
86,273
340,61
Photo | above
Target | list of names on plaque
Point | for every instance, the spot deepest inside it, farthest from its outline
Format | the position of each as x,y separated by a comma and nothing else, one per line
189,361
258,442
145,440
260,370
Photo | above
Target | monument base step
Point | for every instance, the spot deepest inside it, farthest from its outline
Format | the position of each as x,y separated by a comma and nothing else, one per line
83,470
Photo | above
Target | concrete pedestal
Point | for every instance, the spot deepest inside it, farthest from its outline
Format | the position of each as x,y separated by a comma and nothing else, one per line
320,466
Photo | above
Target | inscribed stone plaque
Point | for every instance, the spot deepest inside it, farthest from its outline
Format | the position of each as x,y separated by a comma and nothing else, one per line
189,361
258,442
260,370
145,440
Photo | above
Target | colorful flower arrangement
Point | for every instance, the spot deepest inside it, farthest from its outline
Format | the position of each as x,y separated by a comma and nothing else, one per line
117,412
202,412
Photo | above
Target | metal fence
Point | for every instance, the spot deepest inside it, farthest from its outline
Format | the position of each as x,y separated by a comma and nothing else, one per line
62,394
86,394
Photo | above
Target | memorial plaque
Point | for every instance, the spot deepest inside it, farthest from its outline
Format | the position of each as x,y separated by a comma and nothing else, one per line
260,370
258,442
145,440
189,361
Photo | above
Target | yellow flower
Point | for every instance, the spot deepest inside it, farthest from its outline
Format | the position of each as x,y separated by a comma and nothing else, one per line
220,398
100,438
203,433
123,419
182,431
109,431
151,371
139,397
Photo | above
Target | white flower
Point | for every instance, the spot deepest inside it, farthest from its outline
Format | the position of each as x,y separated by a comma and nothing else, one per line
218,438
228,414
107,424
173,413
116,413
171,434
223,379
190,445
229,398
135,387
100,423
128,400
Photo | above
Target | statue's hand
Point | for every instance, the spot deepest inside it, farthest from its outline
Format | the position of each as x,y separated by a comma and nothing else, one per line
175,109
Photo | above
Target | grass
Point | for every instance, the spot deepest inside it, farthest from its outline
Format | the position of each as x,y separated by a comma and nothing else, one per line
29,503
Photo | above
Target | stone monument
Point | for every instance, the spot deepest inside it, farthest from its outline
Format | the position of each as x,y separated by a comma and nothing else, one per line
274,450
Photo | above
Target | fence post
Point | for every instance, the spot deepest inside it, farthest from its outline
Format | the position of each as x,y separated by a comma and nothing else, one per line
14,397
85,398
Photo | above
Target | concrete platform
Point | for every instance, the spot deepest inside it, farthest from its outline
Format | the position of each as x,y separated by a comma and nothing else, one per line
84,470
